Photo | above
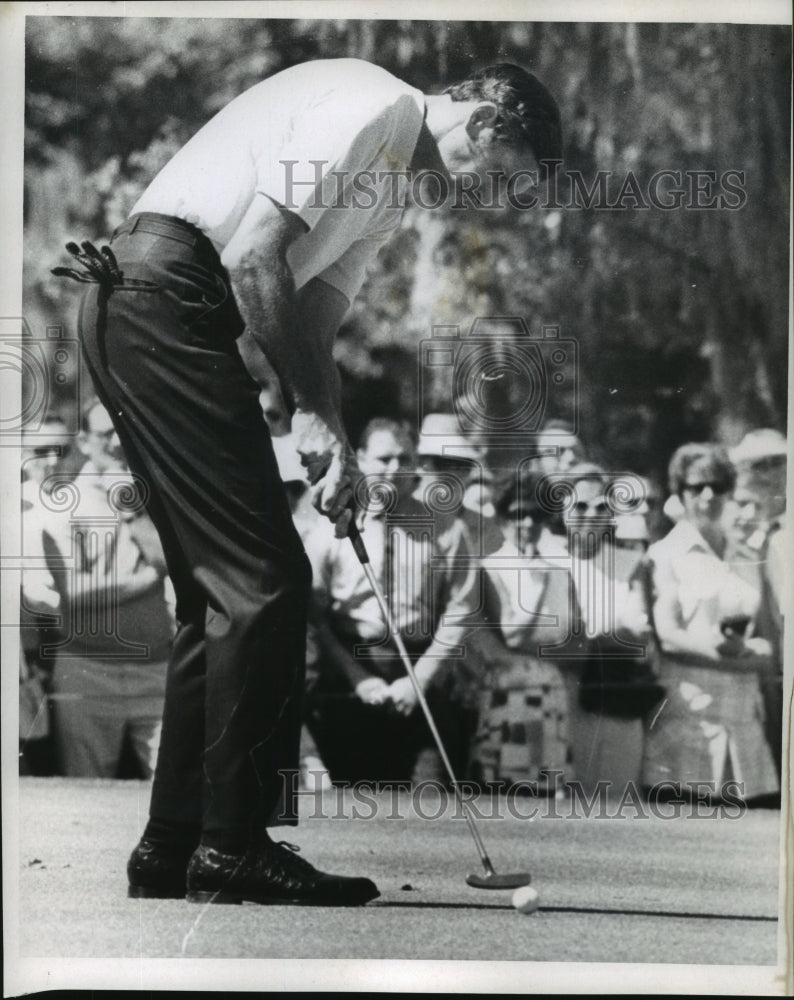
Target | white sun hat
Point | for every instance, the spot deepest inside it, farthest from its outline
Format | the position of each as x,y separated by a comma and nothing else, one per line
440,435
759,444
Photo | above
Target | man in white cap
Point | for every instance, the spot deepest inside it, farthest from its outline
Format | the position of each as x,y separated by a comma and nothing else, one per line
760,460
449,460
364,710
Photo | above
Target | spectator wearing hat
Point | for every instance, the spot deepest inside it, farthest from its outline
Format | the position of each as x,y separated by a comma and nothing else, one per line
761,455
757,543
759,508
448,459
363,710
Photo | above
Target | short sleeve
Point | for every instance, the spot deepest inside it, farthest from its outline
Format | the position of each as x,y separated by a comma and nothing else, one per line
324,140
350,271
660,571
364,113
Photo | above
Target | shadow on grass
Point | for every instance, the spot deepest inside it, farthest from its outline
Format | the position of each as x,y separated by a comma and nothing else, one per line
677,914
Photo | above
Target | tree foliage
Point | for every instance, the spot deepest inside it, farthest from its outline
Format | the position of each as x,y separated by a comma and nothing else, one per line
680,316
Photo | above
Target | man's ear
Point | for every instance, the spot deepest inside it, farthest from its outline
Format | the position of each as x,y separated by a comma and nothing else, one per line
483,116
82,442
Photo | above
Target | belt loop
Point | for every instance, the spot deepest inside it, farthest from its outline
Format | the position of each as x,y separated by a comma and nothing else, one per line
136,219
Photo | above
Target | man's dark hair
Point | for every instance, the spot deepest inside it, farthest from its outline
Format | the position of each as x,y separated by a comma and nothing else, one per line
527,113
711,459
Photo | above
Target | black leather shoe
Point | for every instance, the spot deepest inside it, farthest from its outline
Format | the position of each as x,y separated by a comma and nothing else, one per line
273,873
156,872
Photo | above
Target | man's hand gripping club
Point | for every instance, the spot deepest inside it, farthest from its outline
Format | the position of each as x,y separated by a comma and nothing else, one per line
331,466
295,331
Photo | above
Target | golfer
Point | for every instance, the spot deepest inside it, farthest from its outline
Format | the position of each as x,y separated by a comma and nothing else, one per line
264,222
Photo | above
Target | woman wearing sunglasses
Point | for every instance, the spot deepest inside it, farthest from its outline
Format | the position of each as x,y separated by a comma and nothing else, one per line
710,728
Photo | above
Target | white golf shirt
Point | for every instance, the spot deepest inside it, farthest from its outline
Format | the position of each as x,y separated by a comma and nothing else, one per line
326,140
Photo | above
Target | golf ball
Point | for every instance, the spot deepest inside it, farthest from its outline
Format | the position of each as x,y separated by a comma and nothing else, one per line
525,899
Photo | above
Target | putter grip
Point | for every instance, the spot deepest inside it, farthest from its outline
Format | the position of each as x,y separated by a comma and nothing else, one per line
358,542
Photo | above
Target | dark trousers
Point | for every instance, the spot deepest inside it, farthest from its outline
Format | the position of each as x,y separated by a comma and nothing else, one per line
162,354
373,743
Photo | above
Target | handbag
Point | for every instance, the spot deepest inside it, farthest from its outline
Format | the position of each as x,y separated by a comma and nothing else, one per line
623,687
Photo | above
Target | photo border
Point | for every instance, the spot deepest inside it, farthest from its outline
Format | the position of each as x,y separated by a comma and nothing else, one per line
24,975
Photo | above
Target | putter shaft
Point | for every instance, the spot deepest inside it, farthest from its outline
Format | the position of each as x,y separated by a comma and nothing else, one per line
363,557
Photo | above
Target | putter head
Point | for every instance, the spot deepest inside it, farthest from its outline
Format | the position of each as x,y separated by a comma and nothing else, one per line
491,880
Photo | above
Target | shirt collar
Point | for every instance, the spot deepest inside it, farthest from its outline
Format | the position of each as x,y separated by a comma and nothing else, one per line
687,538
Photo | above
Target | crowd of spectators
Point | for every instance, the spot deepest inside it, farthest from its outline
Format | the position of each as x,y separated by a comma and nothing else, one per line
97,608
566,623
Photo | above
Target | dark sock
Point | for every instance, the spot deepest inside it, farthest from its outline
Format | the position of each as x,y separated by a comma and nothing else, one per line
181,837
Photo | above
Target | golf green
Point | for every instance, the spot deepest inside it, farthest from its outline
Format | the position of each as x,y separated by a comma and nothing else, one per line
621,886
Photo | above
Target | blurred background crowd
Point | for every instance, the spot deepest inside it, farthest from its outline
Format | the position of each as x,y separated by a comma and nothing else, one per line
599,591
566,623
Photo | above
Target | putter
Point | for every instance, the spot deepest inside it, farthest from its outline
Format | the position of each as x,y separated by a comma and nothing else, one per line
490,879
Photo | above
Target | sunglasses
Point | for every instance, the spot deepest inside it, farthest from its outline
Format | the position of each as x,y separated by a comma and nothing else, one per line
718,489
583,507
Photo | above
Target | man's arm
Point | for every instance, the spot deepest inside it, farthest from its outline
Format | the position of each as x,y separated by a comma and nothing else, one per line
335,659
321,308
456,597
295,331
707,643
340,662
